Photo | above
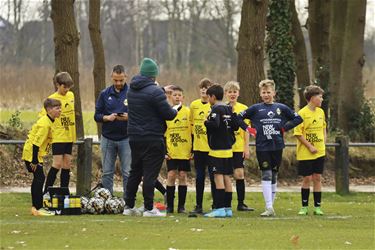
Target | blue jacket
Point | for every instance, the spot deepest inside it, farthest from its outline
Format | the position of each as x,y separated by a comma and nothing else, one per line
148,110
109,102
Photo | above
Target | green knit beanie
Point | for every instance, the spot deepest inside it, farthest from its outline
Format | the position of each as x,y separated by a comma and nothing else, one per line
149,68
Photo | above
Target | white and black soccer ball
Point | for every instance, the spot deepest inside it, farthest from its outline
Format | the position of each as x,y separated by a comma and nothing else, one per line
98,204
90,208
84,202
113,206
103,193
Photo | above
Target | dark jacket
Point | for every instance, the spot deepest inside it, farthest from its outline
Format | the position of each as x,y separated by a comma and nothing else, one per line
148,110
109,102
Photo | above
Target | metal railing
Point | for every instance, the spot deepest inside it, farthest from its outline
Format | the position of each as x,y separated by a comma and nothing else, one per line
341,145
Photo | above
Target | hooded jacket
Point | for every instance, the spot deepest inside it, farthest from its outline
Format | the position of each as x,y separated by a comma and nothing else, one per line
148,110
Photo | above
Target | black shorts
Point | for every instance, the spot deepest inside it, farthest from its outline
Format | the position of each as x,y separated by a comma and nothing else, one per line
180,165
309,167
269,160
238,160
221,165
62,148
200,159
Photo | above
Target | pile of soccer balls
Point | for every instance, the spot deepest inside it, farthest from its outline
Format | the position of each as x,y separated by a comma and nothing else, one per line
102,203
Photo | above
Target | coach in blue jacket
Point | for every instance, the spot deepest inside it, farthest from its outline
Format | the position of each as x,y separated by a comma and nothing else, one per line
112,110
148,110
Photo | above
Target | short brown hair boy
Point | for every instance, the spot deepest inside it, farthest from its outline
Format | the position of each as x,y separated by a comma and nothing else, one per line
63,78
312,90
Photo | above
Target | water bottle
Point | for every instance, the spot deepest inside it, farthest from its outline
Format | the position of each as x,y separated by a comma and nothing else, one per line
66,201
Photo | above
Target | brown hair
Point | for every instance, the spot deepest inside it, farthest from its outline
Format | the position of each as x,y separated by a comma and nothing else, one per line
51,103
205,83
312,90
63,78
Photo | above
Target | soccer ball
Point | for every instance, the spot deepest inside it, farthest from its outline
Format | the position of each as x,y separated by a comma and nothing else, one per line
90,206
103,193
113,206
98,204
84,202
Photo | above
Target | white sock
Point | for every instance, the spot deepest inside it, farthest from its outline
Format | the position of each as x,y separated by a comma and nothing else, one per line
274,190
267,193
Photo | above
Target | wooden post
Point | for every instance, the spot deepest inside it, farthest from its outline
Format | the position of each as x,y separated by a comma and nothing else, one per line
342,165
84,166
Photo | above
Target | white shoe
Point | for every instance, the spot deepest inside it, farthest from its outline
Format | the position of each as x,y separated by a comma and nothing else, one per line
268,213
153,213
141,209
131,211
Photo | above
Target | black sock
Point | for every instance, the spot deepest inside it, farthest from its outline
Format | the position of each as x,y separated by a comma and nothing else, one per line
199,187
37,187
317,198
220,198
160,187
213,191
228,199
170,196
182,190
51,177
240,187
305,193
64,177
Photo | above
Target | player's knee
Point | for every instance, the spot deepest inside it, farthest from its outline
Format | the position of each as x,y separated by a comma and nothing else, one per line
316,178
182,175
307,179
239,174
266,175
171,175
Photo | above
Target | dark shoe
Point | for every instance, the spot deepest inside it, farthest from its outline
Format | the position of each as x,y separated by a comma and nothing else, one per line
170,210
181,210
197,210
244,207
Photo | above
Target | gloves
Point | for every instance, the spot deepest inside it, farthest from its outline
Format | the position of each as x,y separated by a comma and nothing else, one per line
177,107
251,131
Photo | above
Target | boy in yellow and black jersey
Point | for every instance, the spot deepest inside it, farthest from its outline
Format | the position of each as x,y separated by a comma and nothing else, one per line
241,146
36,147
63,131
220,134
311,138
179,148
199,110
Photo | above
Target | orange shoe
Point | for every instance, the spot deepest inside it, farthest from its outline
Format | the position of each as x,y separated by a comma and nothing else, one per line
41,212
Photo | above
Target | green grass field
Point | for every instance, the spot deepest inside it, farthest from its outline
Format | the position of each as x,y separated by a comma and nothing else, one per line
347,224
29,117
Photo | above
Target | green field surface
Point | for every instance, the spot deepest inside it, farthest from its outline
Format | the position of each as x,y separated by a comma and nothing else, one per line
348,223
29,117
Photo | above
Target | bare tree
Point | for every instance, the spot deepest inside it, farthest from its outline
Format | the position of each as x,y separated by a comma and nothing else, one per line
250,48
66,40
98,51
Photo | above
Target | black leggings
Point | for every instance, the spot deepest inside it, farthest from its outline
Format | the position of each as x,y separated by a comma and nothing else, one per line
37,185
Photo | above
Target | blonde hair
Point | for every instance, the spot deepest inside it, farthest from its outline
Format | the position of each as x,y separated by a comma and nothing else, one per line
267,83
231,85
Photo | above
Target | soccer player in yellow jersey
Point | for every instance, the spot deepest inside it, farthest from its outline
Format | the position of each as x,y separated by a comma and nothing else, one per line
199,110
63,132
240,147
36,146
179,148
311,138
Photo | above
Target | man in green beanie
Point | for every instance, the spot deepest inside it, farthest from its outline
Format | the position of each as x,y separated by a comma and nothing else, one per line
148,110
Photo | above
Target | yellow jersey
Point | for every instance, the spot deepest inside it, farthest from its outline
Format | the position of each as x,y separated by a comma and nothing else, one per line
178,135
312,129
198,114
40,135
238,146
64,127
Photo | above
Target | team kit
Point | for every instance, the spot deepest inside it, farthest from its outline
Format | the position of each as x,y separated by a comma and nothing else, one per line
213,133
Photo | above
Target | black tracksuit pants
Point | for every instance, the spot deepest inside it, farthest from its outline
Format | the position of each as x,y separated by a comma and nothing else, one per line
147,159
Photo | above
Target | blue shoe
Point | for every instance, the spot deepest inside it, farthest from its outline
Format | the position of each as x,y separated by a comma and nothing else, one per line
216,213
228,212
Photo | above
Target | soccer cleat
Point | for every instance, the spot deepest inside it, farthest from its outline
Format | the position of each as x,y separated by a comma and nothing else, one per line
41,212
303,211
153,213
170,210
228,212
318,211
244,207
268,213
197,210
181,210
216,213
131,211
141,209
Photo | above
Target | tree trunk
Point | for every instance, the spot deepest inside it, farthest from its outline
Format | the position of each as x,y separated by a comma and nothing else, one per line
351,89
318,27
66,41
250,48
98,51
336,42
299,49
